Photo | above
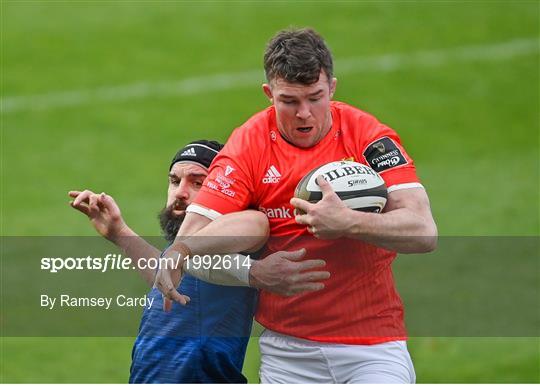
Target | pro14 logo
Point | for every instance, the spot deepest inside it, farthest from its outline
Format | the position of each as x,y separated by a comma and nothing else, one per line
384,154
276,212
272,176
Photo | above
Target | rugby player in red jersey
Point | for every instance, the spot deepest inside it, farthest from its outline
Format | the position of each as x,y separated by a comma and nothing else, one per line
353,330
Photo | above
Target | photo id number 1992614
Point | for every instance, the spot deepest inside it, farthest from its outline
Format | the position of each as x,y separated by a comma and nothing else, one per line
217,261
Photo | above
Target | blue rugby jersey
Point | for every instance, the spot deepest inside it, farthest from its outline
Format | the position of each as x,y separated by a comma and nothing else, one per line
203,342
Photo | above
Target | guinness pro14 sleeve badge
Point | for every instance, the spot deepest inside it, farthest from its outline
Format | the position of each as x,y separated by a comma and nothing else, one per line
383,154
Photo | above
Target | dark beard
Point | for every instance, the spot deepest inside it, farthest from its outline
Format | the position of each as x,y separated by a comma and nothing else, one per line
169,222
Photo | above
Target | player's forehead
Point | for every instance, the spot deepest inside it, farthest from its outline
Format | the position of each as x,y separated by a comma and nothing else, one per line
185,169
283,88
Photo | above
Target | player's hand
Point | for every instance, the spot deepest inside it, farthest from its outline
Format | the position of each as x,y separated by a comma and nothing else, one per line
102,211
168,278
326,219
285,273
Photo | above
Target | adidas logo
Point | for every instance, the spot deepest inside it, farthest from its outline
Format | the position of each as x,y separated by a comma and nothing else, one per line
272,176
190,151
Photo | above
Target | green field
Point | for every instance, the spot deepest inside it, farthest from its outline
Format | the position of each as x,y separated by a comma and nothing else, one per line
100,95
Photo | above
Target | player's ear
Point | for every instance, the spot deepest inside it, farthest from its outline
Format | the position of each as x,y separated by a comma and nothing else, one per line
268,91
333,84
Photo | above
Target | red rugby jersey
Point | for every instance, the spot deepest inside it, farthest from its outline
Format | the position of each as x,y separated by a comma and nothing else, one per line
258,169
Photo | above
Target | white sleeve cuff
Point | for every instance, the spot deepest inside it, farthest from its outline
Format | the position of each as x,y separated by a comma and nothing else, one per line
208,213
405,186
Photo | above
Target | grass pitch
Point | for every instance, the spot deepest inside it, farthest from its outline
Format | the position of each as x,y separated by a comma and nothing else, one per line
94,95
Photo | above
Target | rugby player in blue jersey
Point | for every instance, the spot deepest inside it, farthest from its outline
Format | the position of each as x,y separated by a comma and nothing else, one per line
206,341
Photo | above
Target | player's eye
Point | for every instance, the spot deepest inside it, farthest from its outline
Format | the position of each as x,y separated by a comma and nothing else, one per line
314,99
198,184
289,102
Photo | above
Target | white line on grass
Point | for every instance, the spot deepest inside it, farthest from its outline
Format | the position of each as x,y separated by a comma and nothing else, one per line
217,82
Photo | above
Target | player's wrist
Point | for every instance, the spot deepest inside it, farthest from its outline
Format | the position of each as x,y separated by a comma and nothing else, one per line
121,234
358,224
181,248
254,271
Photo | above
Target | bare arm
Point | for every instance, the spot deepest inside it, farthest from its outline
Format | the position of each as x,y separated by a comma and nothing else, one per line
199,235
282,272
105,216
240,231
405,226
138,249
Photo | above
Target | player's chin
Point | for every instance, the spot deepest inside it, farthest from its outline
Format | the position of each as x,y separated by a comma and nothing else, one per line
304,141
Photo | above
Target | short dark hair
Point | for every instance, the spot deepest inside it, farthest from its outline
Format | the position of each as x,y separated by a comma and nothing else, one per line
297,56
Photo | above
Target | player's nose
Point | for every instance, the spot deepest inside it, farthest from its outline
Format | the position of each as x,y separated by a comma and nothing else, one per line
303,111
182,191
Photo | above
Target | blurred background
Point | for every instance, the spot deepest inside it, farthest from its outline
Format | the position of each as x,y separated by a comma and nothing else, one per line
100,95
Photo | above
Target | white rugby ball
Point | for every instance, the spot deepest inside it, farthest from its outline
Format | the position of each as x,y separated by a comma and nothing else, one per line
359,187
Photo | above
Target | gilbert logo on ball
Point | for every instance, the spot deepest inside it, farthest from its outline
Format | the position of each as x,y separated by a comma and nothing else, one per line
358,186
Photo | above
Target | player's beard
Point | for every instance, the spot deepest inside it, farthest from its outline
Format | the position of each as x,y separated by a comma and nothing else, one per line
170,222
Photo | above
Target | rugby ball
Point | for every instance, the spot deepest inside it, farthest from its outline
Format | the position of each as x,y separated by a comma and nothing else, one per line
359,187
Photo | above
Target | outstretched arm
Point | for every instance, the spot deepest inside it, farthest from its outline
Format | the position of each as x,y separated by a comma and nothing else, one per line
106,217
